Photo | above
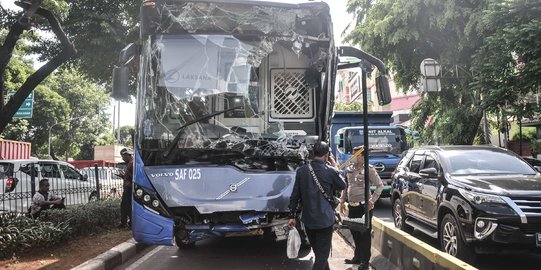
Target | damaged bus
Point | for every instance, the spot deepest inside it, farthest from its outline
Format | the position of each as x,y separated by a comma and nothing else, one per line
230,97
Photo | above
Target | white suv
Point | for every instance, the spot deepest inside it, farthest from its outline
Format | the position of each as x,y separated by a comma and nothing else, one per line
65,180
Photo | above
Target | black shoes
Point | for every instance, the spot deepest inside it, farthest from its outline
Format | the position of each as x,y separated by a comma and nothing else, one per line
352,261
364,266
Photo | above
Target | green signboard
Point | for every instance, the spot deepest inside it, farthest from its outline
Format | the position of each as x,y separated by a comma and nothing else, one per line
25,111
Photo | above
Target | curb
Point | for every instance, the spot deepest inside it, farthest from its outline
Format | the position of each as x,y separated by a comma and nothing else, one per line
113,257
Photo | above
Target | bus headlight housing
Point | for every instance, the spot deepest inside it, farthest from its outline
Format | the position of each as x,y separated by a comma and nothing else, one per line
149,200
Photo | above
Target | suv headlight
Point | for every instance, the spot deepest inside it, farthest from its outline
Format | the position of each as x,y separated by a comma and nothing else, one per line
481,198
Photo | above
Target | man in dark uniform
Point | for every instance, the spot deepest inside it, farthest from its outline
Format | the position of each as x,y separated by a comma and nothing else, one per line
354,195
125,204
317,213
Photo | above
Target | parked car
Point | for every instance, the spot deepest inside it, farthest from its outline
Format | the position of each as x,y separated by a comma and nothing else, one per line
474,199
19,178
110,180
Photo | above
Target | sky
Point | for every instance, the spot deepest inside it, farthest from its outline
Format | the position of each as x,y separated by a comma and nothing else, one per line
339,17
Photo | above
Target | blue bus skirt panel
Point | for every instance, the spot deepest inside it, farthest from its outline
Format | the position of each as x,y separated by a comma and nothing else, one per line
150,228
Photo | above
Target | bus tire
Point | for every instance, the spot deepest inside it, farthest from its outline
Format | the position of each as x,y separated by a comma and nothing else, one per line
184,243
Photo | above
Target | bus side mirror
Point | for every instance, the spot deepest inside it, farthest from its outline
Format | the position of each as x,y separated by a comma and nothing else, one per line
121,75
120,82
382,90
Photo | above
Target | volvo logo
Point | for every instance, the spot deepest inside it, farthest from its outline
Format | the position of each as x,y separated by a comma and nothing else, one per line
379,167
233,188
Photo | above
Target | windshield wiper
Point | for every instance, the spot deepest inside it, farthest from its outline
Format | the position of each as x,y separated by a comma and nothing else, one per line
189,123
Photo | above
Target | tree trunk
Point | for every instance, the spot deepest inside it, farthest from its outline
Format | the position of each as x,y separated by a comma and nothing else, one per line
7,112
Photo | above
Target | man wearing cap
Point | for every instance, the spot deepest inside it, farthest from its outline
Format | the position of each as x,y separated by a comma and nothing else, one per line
125,204
317,213
354,195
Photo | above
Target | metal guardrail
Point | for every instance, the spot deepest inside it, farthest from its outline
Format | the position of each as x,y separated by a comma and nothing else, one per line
99,183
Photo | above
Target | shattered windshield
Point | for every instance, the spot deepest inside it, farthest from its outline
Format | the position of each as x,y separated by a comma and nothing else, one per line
231,83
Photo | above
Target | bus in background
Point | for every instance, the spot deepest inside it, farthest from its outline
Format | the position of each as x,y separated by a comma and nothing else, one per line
231,97
385,143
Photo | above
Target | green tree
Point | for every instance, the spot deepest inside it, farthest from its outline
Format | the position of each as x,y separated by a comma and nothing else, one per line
99,30
403,33
352,107
508,64
125,135
32,13
88,120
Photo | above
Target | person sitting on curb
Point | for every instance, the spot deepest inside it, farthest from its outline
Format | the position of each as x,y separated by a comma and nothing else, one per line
45,199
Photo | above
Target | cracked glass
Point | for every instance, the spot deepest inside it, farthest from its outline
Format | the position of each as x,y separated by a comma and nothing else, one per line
204,93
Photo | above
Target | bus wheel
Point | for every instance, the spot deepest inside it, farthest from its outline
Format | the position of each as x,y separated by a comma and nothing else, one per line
182,240
184,243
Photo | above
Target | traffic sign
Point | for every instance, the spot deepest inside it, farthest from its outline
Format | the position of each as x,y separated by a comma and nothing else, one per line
25,111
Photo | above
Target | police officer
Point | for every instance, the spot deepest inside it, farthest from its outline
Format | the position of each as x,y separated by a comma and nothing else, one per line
355,196
317,213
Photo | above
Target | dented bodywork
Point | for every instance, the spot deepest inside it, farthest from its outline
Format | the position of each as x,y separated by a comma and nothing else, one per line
231,96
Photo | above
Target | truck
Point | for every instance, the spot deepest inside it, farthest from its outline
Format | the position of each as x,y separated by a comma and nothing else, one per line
231,96
14,150
386,142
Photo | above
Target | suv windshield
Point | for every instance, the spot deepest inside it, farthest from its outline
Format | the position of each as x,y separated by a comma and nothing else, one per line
480,161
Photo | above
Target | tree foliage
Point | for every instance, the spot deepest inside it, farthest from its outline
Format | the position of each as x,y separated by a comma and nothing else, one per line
508,64
478,44
99,30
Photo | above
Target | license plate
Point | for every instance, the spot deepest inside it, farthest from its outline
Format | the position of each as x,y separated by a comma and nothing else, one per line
538,239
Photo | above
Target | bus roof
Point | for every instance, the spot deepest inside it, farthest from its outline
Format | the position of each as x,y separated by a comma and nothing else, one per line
276,3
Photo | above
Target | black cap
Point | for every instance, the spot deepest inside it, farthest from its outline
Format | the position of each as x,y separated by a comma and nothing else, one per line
126,151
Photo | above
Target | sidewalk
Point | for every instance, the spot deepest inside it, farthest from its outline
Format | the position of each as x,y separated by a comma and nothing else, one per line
114,257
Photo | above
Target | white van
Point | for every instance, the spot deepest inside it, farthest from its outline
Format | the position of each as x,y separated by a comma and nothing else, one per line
18,176
110,182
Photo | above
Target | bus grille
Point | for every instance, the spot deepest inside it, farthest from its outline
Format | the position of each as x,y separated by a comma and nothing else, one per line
291,95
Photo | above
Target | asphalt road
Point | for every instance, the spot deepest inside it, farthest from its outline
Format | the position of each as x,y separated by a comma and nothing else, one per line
522,261
235,253
256,253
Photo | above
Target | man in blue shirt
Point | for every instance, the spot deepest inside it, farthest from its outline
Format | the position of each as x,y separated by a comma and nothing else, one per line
317,214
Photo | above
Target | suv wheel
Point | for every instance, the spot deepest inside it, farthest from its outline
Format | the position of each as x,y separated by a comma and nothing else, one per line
399,217
451,240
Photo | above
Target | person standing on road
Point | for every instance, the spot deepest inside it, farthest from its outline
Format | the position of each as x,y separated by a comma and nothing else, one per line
45,199
317,214
354,195
127,176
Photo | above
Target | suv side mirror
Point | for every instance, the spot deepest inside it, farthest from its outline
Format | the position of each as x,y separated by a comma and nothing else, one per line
537,168
428,172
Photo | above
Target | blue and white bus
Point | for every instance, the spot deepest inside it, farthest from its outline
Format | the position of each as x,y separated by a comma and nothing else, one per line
231,95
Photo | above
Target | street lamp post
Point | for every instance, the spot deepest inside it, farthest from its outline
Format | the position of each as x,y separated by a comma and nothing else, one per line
49,147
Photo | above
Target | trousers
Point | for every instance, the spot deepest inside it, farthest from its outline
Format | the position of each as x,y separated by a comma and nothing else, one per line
125,206
362,240
320,240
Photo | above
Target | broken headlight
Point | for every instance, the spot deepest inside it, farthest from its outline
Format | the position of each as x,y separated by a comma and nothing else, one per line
149,200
